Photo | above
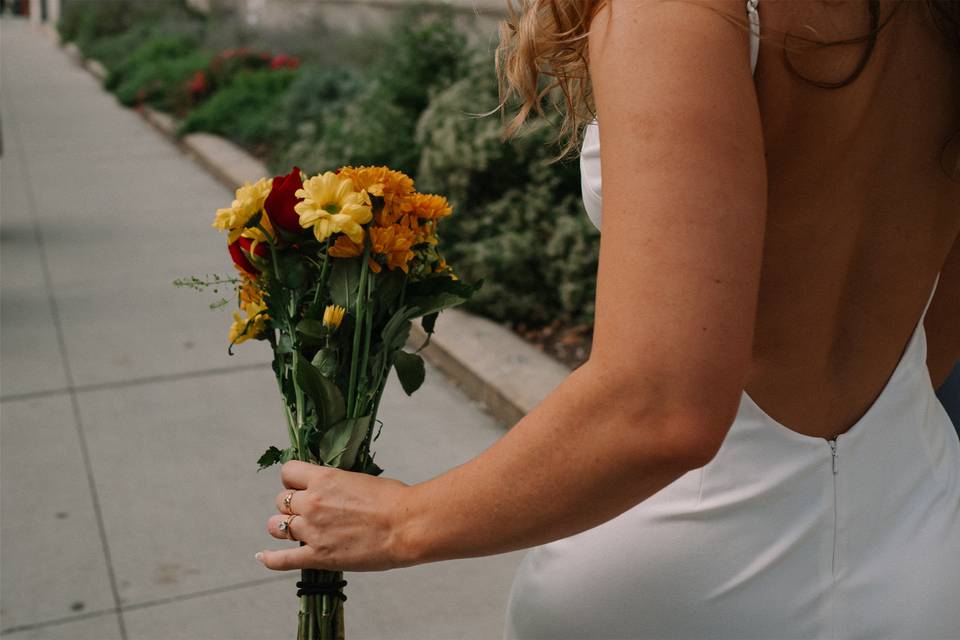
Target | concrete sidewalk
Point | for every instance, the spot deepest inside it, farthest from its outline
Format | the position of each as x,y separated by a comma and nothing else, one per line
131,506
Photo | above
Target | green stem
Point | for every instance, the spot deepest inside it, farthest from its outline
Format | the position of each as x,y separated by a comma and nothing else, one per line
322,284
298,395
368,336
358,329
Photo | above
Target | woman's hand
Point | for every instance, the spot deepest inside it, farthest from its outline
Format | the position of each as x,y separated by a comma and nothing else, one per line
347,520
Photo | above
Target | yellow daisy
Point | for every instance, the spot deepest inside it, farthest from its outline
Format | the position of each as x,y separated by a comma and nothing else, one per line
253,325
248,201
330,205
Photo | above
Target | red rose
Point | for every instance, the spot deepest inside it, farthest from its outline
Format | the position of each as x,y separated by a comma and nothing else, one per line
279,204
241,248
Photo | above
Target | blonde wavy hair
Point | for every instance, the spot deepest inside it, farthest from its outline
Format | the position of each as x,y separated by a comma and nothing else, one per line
543,53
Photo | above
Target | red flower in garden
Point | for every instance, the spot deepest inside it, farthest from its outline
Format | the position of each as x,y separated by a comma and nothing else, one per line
283,61
198,83
240,249
279,204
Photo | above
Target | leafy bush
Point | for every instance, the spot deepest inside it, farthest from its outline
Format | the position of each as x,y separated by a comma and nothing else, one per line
519,221
222,69
372,120
245,110
313,103
114,50
367,128
156,70
422,52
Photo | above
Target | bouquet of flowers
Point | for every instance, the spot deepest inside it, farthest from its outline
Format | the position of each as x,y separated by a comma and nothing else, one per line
332,271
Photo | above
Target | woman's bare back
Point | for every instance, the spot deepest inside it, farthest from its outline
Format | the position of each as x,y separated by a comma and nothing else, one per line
861,216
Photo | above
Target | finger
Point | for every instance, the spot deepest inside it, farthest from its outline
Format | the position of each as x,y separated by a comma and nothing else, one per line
296,501
296,528
286,559
296,474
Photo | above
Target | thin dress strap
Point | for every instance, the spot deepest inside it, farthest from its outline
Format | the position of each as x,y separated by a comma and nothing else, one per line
754,33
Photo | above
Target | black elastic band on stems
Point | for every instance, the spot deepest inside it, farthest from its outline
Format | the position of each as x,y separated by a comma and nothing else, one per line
313,589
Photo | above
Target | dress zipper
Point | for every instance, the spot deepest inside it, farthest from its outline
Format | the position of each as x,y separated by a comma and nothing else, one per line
836,514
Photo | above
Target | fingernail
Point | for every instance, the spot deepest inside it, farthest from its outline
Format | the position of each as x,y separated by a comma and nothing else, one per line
258,556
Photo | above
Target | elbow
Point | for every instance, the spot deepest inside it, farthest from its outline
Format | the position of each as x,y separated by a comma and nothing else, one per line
677,422
694,436
689,431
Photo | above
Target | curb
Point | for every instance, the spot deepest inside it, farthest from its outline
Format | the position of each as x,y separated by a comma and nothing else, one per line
490,363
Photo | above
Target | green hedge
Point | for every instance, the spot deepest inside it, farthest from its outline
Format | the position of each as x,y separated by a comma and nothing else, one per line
244,109
156,70
373,118
518,220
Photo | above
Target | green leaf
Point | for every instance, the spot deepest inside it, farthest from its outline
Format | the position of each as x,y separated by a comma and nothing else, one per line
284,344
325,360
371,467
293,271
270,456
341,443
344,281
389,285
429,322
410,371
324,393
442,284
313,330
442,294
397,330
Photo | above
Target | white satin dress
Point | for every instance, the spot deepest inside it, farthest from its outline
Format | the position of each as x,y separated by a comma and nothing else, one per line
781,536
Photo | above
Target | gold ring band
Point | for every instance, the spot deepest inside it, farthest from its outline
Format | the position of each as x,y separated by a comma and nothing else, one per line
286,502
290,531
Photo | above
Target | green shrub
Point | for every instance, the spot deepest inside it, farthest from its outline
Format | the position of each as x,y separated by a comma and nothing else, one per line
367,128
318,97
245,110
518,221
422,52
156,70
114,50
371,120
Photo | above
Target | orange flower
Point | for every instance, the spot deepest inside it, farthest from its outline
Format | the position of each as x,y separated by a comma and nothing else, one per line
394,242
392,186
344,247
427,206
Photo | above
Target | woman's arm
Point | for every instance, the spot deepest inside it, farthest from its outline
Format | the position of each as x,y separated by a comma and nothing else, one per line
684,186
